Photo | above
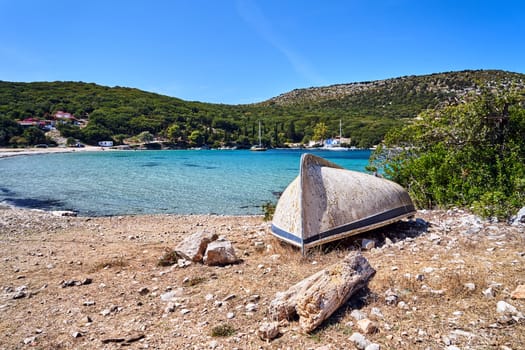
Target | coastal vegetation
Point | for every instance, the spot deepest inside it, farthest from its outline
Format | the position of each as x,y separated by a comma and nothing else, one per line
367,110
468,155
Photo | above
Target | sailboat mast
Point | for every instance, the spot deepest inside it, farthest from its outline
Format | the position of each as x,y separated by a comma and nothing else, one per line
260,142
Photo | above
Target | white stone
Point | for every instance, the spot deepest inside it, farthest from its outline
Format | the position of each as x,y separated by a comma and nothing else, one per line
488,293
268,330
105,312
251,307
470,286
505,308
169,296
368,244
402,305
357,315
376,312
428,270
359,341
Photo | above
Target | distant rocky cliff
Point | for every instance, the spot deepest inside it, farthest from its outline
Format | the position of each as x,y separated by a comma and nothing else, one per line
451,84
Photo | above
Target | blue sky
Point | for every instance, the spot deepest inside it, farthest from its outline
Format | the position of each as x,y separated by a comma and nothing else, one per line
244,51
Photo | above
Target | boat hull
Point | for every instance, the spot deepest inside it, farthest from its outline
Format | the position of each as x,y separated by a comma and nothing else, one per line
327,203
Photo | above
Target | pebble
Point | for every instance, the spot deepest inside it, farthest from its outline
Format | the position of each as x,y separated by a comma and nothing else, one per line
470,286
368,244
230,315
391,299
170,307
259,245
251,307
105,312
488,293
29,340
505,308
169,296
367,326
357,315
268,330
402,305
359,340
373,346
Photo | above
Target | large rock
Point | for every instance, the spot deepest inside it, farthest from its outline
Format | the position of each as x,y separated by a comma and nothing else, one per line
194,246
220,252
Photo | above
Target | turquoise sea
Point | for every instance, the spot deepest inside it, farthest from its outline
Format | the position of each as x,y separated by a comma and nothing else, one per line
145,182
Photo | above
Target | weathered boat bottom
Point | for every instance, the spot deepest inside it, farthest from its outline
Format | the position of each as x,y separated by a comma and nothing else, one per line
350,229
326,203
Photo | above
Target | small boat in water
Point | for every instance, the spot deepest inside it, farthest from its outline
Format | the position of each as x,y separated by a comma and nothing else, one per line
327,202
259,147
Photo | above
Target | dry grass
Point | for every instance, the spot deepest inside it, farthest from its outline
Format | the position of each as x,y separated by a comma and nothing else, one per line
428,276
114,262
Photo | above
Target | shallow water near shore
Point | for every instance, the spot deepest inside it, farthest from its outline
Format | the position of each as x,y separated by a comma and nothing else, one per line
151,182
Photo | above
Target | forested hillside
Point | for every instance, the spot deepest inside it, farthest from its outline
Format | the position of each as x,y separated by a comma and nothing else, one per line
367,111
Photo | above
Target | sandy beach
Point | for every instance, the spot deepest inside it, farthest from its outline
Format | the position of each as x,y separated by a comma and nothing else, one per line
12,152
86,283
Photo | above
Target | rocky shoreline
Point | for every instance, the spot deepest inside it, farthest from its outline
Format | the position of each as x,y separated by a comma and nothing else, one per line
445,280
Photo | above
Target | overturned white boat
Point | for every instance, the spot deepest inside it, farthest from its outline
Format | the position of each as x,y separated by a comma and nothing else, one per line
327,202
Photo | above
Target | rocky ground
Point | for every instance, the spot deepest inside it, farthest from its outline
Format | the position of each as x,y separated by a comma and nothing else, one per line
445,280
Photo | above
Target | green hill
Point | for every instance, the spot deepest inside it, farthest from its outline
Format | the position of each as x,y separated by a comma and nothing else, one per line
367,110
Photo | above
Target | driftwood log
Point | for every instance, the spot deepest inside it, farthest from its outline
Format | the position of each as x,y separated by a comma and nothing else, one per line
317,297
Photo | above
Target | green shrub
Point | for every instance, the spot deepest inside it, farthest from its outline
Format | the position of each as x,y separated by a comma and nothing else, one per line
268,210
470,155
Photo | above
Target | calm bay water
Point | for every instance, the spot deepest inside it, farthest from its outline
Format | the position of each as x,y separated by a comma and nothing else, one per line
144,182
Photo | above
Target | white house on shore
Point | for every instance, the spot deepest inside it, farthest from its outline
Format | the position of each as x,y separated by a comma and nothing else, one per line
105,143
